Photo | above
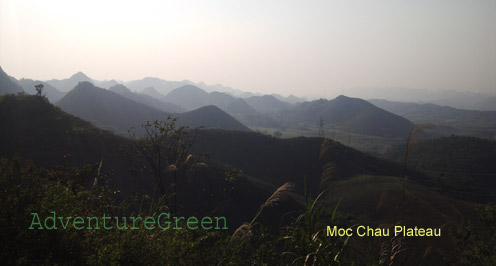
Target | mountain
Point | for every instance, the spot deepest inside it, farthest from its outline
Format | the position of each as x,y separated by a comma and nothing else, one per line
146,99
51,93
8,86
107,83
187,96
456,99
107,109
266,103
66,85
351,114
290,99
115,112
211,117
153,92
192,97
448,120
162,86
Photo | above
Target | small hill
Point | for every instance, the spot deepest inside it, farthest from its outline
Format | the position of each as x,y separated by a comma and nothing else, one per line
7,86
146,99
211,117
448,120
267,103
188,96
351,114
66,85
276,161
51,93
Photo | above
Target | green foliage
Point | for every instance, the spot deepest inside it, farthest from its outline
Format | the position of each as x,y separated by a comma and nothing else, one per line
473,247
27,189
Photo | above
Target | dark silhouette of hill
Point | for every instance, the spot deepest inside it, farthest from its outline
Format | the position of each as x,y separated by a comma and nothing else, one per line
51,93
276,161
146,99
448,120
351,114
68,84
115,112
211,117
266,103
8,86
107,109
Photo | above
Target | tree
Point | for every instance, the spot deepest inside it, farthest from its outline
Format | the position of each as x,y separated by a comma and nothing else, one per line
163,153
39,90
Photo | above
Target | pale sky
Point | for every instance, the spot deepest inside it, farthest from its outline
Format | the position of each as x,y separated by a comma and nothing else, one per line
286,47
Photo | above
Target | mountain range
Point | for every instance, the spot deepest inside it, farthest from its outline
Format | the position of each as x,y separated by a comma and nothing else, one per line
448,120
113,111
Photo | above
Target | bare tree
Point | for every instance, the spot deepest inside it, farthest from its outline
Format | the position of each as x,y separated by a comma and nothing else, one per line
163,153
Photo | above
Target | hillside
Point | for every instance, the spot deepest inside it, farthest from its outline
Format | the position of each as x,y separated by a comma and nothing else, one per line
50,92
211,117
8,86
350,114
467,165
279,160
107,109
449,120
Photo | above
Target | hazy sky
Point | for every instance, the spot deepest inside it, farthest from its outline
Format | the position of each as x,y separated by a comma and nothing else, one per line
298,47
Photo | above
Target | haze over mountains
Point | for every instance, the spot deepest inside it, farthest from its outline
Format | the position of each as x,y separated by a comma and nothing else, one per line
118,113
159,97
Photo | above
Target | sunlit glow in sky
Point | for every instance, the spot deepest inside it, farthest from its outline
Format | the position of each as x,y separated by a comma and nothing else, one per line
286,47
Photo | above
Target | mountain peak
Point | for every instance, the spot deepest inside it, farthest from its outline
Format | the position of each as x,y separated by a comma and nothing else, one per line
80,76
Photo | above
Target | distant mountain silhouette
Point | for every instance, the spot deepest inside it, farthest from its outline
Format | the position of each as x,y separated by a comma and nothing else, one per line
266,103
289,99
146,99
115,112
8,86
446,118
107,109
192,97
107,83
187,96
351,114
153,92
66,85
211,117
51,93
